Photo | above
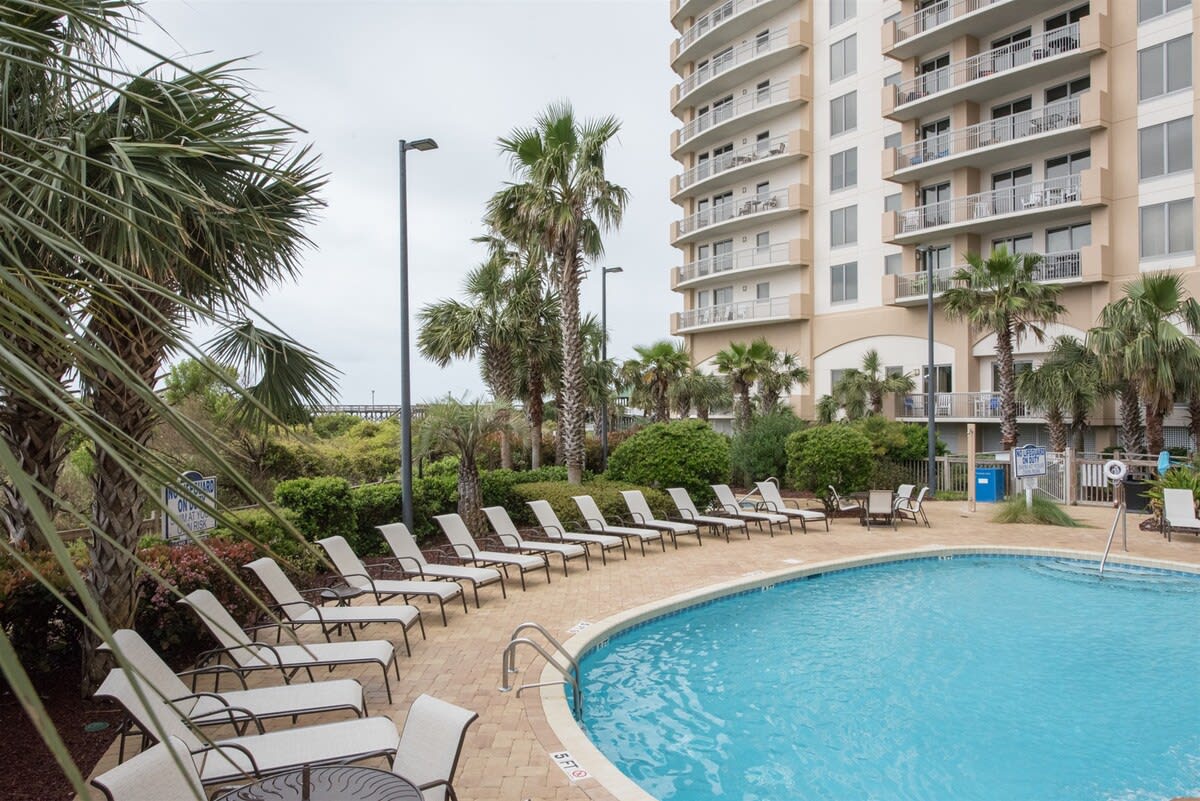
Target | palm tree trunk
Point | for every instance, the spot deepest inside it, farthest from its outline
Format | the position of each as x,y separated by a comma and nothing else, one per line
1132,433
743,410
1058,429
570,412
702,410
1008,400
876,403
1194,419
662,407
470,494
1154,428
537,411
502,388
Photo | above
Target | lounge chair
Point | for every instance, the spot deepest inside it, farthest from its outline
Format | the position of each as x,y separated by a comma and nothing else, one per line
841,504
687,511
643,515
299,612
550,525
236,707
729,503
164,772
912,507
411,561
355,573
248,655
773,502
510,537
430,745
595,521
1179,512
256,755
881,506
464,546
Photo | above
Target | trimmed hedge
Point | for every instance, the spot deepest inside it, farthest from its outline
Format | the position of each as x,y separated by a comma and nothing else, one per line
264,528
324,507
758,452
836,454
607,495
683,453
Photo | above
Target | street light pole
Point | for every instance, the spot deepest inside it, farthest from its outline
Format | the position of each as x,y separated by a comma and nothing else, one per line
927,266
405,367
604,358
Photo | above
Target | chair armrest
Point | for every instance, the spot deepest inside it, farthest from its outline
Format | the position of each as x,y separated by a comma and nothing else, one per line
215,669
257,773
227,710
404,562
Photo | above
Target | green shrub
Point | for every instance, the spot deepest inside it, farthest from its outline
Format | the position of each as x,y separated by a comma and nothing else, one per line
1045,512
324,507
432,495
261,526
897,441
1178,477
684,453
445,466
376,505
757,452
327,426
887,474
43,632
607,495
551,473
836,454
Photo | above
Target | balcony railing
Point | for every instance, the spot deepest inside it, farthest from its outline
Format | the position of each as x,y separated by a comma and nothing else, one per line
1059,266
990,62
734,312
1051,117
745,259
911,285
713,20
937,14
776,93
962,405
1024,197
743,53
723,212
735,158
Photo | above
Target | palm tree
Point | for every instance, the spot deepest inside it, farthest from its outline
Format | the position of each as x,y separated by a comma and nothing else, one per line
657,368
1148,347
744,365
1081,384
849,395
563,203
872,382
600,375
782,373
702,391
1001,296
1043,388
827,409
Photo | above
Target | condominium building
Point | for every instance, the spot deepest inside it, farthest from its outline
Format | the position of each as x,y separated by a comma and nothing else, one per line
826,167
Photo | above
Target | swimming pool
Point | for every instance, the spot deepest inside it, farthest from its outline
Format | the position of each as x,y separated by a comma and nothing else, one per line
991,678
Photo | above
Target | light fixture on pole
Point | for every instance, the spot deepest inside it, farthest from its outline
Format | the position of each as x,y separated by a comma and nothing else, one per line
604,359
405,368
927,267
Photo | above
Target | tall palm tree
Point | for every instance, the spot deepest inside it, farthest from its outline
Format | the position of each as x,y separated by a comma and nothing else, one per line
703,392
1141,331
564,202
656,368
744,364
600,375
1081,382
1043,388
1001,296
872,382
783,371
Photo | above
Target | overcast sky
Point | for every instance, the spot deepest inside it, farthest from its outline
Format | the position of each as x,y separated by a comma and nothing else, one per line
358,76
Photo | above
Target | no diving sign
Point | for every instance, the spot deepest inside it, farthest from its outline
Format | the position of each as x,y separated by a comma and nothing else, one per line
575,772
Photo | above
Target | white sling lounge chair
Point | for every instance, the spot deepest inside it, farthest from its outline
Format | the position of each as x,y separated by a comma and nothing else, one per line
410,560
355,573
554,529
165,772
299,612
907,508
430,745
464,546
254,755
510,537
687,510
248,655
773,502
727,501
643,515
1179,512
596,522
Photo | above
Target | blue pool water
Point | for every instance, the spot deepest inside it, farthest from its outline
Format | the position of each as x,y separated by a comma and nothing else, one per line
996,679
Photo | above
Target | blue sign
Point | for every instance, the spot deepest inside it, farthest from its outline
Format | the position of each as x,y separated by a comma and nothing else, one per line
1029,461
184,507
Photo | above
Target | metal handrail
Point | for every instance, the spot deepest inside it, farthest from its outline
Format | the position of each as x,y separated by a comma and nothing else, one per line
776,93
936,15
733,312
1112,533
742,54
745,258
570,672
723,212
713,20
982,205
749,154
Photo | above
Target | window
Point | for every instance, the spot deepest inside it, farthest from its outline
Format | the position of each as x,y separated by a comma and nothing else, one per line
840,11
1073,164
1018,368
1011,120
722,255
843,114
892,80
1165,149
1011,189
835,376
1149,9
761,191
843,169
935,76
934,257
1166,228
843,58
762,241
892,141
843,226
763,93
762,142
1066,18
701,298
936,202
723,296
763,291
891,202
1018,243
843,282
893,263
1068,238
1067,90
1010,51
1165,68
935,139
762,41
943,378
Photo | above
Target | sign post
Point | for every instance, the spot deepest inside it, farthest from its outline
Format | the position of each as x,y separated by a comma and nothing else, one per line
1029,462
186,516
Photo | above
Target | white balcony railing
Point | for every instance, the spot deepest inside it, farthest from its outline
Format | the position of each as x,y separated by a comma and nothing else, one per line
722,212
990,62
713,20
776,93
743,53
734,158
962,405
1051,117
1059,266
937,14
1024,197
771,308
910,285
745,259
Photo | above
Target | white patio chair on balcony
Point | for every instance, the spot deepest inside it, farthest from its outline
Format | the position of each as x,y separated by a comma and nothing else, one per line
1032,200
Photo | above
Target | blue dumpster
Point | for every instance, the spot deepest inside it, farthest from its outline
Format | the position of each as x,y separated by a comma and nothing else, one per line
989,484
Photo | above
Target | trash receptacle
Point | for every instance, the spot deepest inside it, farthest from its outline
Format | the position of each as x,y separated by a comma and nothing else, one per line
989,484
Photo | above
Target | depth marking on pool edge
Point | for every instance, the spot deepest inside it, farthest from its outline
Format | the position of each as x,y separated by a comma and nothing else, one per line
575,772
578,627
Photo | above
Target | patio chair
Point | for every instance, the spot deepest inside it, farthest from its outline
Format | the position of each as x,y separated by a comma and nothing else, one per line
904,493
773,502
431,744
911,507
464,546
247,655
841,504
253,755
550,525
595,521
412,562
687,510
510,537
164,772
296,611
355,573
880,507
643,515
236,707
729,504
1179,512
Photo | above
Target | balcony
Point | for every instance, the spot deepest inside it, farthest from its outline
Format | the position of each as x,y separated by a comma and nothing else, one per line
995,72
994,141
731,19
752,210
747,110
744,162
939,24
726,71
748,260
682,9
965,406
743,313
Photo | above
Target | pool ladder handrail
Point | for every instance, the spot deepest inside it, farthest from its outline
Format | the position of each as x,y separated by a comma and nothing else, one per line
1112,533
569,671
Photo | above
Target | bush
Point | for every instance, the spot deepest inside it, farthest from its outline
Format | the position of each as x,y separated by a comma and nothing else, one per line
327,426
607,495
897,441
376,505
43,632
684,453
1178,477
757,452
261,526
432,495
836,454
1045,512
324,507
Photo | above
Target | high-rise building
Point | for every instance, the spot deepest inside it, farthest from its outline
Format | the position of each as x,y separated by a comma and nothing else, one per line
1063,129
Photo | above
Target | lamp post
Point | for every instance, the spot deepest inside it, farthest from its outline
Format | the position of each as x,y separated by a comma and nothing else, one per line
405,368
927,266
604,358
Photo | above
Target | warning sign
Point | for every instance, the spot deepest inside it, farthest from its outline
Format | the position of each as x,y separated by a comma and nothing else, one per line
185,514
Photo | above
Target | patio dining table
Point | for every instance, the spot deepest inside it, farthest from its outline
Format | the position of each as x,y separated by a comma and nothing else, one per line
330,783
